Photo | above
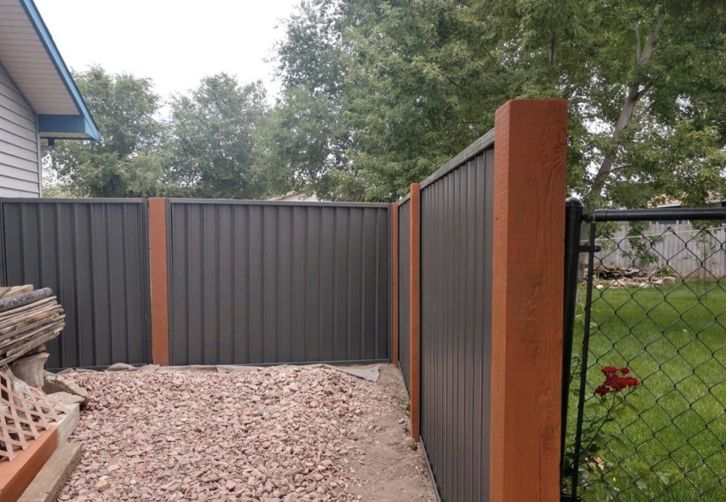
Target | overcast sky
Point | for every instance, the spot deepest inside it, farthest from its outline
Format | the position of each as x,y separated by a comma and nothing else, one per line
175,43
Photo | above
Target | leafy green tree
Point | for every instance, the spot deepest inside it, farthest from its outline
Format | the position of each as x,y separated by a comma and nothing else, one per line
307,136
212,147
402,86
128,160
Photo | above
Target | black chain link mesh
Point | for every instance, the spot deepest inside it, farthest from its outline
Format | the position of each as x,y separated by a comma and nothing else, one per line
657,315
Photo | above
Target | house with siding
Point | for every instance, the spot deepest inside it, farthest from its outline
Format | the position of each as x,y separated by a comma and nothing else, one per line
39,101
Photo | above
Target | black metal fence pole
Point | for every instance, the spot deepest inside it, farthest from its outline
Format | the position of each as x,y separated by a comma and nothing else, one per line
584,360
573,217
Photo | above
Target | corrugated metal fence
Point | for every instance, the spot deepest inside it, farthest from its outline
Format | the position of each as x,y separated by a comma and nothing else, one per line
456,290
93,254
404,290
272,282
249,282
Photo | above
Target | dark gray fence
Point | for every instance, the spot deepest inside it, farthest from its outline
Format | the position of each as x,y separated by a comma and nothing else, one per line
274,282
93,253
456,278
404,290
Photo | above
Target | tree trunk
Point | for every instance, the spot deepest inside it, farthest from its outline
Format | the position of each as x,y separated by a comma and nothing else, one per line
636,91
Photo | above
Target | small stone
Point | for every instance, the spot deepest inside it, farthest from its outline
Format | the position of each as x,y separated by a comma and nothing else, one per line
102,485
410,443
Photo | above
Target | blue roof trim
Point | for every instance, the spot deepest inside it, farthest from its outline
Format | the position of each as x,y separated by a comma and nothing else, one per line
42,30
70,126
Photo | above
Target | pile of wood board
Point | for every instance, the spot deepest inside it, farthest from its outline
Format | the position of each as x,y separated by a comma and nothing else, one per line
28,320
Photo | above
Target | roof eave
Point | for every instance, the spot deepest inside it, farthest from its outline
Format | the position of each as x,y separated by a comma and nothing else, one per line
81,126
67,127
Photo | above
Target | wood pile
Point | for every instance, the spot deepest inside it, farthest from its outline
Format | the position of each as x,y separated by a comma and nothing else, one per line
610,272
626,277
28,320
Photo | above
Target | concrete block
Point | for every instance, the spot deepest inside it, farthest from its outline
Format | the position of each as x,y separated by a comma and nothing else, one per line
53,475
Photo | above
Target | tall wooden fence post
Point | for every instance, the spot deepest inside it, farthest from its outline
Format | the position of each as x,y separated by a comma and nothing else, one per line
527,300
394,283
414,309
159,284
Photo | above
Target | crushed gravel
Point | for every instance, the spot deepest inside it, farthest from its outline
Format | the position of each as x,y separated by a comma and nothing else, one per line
272,434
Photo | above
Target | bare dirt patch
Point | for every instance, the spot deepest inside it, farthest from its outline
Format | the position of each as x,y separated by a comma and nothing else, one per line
280,433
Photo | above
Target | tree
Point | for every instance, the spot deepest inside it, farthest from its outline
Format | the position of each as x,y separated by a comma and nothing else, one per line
409,84
213,130
127,161
307,137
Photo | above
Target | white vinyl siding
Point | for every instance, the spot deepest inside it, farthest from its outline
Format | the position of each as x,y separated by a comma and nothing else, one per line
19,159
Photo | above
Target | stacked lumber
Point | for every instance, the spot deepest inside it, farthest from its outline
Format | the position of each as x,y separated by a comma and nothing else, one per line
28,320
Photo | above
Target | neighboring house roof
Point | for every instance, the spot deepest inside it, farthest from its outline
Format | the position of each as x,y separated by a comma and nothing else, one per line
296,196
31,58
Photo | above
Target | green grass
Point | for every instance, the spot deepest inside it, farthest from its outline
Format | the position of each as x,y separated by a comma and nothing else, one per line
668,441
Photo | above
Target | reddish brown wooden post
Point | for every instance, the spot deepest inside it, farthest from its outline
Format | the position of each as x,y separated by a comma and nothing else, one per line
414,308
159,285
527,299
395,283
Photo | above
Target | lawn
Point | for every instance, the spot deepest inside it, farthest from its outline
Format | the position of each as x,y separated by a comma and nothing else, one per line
665,438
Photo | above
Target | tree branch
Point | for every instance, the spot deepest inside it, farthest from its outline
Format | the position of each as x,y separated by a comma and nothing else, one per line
633,96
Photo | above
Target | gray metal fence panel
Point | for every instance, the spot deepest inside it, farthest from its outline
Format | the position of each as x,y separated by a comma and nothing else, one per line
455,326
274,282
404,290
93,253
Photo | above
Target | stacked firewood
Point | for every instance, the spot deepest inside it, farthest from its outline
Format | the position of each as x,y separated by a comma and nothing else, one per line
609,271
28,320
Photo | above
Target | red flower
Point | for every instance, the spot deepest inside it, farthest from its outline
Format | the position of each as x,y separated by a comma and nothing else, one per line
616,380
631,381
601,390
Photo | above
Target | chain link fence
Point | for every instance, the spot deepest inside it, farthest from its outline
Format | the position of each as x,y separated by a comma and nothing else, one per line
646,402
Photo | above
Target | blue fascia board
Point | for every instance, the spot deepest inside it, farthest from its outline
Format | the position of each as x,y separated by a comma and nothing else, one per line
71,126
42,30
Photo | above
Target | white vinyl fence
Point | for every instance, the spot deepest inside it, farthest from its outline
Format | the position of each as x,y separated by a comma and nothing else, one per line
680,248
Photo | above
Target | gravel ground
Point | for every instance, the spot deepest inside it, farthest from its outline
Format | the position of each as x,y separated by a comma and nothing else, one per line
279,433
